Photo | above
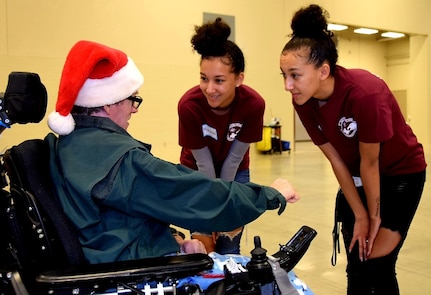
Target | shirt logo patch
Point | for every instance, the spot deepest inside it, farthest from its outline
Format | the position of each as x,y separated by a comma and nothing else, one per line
348,126
234,129
209,131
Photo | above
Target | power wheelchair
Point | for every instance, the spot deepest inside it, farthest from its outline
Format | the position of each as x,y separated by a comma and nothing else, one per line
40,251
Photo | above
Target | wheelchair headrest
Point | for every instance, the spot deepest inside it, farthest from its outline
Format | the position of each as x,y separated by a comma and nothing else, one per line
24,101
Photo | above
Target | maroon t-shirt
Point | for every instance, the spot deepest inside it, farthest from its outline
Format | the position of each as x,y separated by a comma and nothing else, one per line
199,126
362,108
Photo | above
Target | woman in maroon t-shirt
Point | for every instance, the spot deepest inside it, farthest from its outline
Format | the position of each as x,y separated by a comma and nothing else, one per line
218,119
355,120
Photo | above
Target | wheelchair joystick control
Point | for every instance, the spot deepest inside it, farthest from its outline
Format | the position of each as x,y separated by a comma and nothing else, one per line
259,269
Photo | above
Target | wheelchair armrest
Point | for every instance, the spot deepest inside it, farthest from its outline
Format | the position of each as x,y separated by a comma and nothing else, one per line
150,268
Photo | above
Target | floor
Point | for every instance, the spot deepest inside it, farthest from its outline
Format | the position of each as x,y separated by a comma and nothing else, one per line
310,173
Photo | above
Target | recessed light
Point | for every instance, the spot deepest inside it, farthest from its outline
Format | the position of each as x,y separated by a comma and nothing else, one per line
337,27
365,31
393,35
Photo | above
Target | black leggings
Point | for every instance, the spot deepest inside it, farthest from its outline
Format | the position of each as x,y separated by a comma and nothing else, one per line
400,196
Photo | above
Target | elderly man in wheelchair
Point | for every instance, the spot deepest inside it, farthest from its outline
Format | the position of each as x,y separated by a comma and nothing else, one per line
89,210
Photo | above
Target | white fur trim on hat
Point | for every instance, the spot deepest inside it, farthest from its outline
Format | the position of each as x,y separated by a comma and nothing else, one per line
110,90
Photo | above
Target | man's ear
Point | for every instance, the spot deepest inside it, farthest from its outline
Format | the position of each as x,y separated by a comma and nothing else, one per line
107,109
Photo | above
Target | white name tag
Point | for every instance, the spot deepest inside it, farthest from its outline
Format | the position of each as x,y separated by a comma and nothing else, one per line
209,131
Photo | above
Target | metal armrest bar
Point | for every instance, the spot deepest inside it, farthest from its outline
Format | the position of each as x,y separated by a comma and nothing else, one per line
170,266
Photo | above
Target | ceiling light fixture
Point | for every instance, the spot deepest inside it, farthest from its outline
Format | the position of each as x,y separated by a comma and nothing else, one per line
393,35
337,27
365,31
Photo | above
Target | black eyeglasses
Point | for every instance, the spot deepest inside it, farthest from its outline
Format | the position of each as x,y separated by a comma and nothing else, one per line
136,100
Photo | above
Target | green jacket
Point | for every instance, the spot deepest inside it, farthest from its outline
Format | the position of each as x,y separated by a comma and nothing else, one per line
122,199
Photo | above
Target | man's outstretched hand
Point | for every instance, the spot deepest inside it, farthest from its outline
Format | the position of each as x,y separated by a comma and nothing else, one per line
286,189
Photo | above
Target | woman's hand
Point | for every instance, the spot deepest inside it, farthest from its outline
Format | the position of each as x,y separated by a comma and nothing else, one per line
360,235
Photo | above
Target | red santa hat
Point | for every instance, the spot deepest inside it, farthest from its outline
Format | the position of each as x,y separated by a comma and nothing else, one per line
93,75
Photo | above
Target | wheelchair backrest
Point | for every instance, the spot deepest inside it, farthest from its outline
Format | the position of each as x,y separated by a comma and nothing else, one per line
42,237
